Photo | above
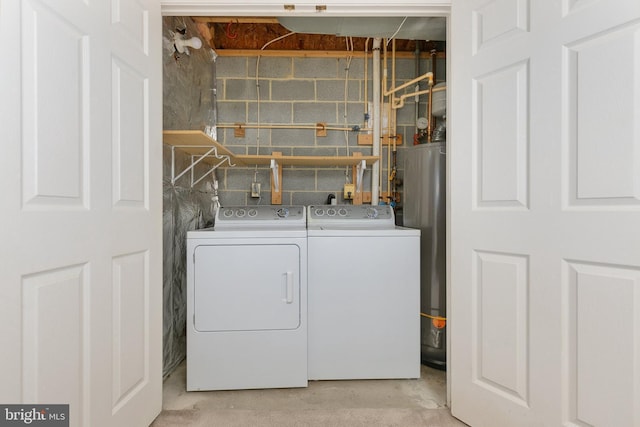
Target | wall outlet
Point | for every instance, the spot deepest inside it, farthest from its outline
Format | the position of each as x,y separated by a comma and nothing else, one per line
255,190
349,191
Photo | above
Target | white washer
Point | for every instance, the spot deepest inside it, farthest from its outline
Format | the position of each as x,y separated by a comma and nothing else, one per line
364,294
247,300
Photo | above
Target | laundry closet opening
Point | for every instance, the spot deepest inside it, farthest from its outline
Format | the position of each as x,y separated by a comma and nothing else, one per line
242,90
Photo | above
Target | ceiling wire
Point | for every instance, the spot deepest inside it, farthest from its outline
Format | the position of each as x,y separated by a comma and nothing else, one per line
398,30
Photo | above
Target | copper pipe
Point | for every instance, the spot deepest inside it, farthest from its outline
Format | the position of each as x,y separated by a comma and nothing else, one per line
432,120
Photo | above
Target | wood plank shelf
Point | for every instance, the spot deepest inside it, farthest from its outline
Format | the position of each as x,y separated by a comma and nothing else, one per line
306,160
197,144
194,142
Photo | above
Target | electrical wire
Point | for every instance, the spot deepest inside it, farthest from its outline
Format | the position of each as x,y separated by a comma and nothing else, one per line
350,46
258,89
398,30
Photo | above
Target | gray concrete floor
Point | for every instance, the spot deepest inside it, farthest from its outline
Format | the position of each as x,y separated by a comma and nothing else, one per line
402,403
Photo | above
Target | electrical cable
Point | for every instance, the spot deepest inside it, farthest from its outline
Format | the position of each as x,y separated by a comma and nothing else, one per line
258,89
398,30
349,42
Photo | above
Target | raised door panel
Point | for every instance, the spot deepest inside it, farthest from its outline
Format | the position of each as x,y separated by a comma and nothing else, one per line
603,134
601,341
55,138
55,336
501,318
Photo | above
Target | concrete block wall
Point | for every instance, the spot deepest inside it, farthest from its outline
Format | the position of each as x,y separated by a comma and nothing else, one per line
302,91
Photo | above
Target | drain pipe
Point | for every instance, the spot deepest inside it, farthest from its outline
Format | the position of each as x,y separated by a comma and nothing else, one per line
377,122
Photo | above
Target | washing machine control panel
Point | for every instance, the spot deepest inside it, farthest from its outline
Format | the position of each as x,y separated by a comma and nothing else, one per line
368,215
259,215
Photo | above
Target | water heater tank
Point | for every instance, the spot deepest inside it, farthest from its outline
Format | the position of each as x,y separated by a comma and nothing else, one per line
439,100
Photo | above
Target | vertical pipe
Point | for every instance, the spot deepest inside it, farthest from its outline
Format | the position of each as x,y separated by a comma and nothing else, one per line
366,83
417,74
375,170
385,90
432,120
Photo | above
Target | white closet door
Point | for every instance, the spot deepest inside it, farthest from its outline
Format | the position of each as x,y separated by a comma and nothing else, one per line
545,210
80,114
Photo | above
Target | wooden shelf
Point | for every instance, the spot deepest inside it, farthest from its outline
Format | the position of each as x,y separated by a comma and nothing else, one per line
194,142
306,160
197,142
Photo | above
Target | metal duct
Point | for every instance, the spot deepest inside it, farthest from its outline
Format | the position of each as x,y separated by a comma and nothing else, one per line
414,28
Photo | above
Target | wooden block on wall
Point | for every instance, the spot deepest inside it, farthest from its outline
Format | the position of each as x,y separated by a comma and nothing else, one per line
321,129
238,130
367,139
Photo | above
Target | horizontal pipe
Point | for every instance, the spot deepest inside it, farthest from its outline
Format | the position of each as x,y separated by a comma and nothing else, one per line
428,75
399,102
313,127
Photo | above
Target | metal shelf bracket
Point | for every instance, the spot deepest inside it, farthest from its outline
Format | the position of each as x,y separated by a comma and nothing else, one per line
195,160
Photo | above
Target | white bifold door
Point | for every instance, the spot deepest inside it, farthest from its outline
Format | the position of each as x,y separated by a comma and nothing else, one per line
545,212
80,252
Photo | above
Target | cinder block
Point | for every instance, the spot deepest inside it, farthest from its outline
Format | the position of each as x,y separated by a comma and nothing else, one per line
232,112
333,90
245,89
308,198
266,150
233,198
271,112
292,137
355,114
405,68
271,67
315,151
299,90
299,180
331,180
238,178
232,66
248,139
356,68
407,114
336,138
315,68
314,112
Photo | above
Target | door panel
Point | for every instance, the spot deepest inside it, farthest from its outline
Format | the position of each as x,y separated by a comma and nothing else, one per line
81,254
545,176
55,301
54,175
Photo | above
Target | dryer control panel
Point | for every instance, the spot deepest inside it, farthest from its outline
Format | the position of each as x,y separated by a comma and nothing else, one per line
369,216
260,215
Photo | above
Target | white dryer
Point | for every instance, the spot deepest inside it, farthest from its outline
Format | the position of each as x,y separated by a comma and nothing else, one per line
247,300
364,294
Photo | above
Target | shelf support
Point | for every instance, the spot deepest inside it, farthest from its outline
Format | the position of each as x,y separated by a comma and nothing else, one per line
276,179
213,151
357,172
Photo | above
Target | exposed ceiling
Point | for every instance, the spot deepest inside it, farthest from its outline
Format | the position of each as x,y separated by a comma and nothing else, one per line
328,34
